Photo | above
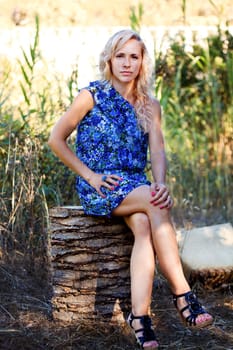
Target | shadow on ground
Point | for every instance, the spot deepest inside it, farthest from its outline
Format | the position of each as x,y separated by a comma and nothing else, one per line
26,322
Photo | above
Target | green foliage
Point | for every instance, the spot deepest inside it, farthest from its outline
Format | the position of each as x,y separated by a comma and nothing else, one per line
31,177
136,17
195,89
183,8
27,67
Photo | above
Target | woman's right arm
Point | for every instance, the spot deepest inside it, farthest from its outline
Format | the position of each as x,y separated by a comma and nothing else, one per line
82,104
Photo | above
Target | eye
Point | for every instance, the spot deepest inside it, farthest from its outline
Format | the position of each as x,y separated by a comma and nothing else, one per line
119,55
135,57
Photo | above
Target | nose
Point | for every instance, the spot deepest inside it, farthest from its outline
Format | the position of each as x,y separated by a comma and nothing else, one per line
126,62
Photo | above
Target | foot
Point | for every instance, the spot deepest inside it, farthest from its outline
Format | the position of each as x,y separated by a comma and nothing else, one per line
191,311
143,331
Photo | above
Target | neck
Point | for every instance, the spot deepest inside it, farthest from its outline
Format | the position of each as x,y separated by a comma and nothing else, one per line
125,89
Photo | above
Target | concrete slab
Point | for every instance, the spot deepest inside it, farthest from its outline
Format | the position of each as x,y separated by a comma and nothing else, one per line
207,249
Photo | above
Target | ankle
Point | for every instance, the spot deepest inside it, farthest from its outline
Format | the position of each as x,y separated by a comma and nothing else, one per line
180,290
140,311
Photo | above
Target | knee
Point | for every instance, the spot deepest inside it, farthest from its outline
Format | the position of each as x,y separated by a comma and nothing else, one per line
141,225
160,214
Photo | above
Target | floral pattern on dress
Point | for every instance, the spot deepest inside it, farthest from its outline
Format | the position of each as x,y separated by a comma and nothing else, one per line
110,141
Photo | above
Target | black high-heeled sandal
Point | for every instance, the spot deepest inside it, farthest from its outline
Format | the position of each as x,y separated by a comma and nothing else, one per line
147,336
195,309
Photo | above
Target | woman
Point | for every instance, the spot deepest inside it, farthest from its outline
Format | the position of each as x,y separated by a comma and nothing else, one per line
118,120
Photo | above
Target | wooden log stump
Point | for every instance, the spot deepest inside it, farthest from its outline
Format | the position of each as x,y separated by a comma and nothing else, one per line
90,259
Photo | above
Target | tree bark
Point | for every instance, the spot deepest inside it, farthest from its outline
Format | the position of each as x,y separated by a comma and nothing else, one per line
90,259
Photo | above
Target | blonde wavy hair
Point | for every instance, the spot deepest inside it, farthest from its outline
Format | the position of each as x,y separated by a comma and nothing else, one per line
142,89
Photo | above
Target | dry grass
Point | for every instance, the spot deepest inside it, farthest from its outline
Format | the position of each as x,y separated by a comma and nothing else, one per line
26,323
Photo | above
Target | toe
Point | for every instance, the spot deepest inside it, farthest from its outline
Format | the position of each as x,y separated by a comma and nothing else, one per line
203,318
150,345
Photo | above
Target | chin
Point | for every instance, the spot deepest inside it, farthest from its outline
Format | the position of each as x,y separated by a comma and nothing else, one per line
126,79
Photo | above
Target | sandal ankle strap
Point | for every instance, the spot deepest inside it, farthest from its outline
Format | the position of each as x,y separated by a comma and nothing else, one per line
176,296
193,305
146,329
190,298
132,317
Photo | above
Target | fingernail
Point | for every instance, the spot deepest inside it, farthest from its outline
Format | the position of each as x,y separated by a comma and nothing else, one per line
153,193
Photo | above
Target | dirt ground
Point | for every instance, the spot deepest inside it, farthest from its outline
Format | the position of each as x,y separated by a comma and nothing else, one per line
26,320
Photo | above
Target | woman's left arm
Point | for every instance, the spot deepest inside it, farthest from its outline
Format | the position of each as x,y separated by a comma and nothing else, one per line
159,191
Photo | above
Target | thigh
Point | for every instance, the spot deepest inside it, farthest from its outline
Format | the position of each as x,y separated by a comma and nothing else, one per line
139,200
136,201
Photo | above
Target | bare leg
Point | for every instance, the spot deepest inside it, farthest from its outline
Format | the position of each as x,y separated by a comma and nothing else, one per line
163,235
142,269
142,263
164,241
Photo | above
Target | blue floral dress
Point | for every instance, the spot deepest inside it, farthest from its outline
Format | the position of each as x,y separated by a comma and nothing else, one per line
110,141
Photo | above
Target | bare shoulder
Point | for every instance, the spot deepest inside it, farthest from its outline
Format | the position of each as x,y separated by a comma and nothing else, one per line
84,98
81,105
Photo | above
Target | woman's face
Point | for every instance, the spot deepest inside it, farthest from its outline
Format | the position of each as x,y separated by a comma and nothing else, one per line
126,62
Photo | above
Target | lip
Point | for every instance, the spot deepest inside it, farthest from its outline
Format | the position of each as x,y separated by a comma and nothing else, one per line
126,72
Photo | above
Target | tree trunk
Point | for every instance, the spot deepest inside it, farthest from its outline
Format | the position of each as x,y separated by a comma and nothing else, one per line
90,266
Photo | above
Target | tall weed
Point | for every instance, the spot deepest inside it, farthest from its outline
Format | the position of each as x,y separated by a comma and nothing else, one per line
135,17
31,177
196,96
